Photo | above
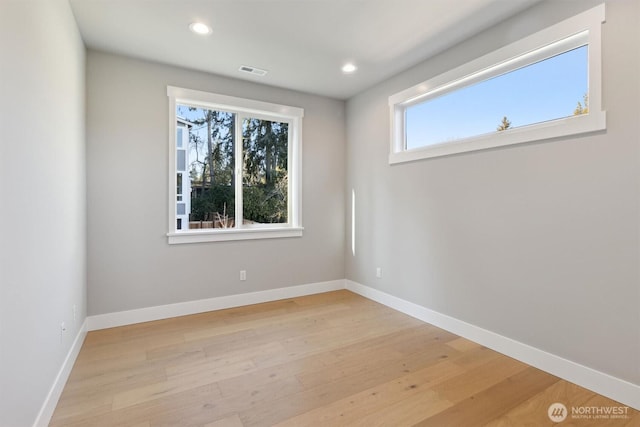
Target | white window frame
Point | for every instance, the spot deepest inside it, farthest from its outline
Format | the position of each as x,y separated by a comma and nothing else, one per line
243,108
579,30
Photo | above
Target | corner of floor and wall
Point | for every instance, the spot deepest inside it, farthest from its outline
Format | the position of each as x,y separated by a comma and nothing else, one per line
43,197
531,250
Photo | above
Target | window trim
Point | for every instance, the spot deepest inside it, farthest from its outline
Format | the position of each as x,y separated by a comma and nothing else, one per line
579,30
243,108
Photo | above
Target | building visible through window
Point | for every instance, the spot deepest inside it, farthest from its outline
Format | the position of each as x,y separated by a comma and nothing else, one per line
236,169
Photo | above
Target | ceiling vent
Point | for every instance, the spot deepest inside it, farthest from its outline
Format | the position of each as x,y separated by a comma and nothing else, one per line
253,70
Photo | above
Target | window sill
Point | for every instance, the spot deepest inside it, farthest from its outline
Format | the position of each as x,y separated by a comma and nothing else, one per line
224,235
567,127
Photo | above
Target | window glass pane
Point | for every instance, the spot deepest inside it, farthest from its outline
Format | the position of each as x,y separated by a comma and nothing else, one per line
179,138
265,174
179,187
181,160
210,167
551,89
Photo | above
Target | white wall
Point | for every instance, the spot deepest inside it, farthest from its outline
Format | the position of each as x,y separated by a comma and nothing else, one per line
42,200
536,242
130,264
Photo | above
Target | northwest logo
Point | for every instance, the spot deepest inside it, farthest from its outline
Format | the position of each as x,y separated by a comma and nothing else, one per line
557,412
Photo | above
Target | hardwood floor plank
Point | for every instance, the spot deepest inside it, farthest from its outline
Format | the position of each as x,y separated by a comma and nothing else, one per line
533,412
463,345
178,383
362,373
386,362
193,407
124,377
130,348
256,395
232,421
330,298
479,378
359,406
475,357
270,374
226,359
342,336
483,407
221,329
406,412
75,414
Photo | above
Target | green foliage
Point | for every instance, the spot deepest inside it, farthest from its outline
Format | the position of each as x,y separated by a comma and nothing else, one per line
217,165
262,207
265,150
266,203
212,200
580,108
504,124
264,175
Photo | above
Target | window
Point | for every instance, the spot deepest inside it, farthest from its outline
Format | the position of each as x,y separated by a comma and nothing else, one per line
234,168
545,86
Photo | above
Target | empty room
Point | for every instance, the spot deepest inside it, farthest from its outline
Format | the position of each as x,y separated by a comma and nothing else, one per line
234,213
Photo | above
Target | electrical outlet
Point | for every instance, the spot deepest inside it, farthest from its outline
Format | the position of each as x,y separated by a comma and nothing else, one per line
243,275
63,329
378,272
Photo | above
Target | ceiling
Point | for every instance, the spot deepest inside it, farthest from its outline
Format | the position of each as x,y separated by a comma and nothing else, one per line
302,43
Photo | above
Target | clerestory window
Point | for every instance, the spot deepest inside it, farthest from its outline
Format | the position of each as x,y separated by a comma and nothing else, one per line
545,86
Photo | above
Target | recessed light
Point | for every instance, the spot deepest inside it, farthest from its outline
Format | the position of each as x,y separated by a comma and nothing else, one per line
349,68
200,28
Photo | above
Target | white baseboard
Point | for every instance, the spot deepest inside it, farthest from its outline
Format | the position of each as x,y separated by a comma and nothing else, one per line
607,385
121,318
51,401
599,382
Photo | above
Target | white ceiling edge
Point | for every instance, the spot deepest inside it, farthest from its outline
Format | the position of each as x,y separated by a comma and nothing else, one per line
302,44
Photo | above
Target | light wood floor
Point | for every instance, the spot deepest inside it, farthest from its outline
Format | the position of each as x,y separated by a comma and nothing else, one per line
323,360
